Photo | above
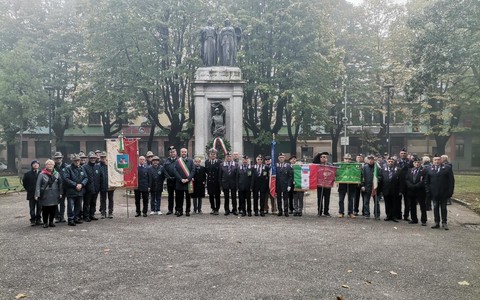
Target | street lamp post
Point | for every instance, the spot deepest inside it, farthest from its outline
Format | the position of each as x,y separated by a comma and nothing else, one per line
388,87
50,90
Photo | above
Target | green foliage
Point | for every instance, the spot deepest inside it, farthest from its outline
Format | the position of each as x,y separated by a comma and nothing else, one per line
220,153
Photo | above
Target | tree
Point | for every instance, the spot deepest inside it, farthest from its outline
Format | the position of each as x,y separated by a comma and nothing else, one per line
445,63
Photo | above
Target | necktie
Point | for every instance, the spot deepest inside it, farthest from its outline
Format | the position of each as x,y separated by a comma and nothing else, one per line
390,174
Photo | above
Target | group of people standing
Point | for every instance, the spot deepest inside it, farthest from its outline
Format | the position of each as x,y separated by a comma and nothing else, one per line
79,184
410,178
407,177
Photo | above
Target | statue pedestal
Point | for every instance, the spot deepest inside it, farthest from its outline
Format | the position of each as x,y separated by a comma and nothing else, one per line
218,85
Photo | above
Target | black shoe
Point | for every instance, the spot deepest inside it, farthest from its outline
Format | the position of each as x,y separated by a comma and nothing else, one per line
62,220
394,220
413,222
93,218
38,222
407,219
72,224
199,211
299,214
244,214
110,216
145,215
137,215
57,220
78,222
280,214
436,226
327,215
187,214
212,212
387,219
250,214
51,224
179,214
424,224
226,213
286,214
32,223
256,214
45,225
216,213
235,213
169,212
262,214
103,216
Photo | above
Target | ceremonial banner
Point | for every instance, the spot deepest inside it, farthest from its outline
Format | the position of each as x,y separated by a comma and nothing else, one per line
305,177
375,180
122,162
273,173
326,176
348,172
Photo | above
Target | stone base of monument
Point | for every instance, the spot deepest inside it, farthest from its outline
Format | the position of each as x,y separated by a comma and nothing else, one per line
220,88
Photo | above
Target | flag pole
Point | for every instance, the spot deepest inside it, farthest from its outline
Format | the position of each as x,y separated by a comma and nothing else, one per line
128,214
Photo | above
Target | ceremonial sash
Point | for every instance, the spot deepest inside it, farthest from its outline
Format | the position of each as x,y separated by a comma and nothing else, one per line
186,171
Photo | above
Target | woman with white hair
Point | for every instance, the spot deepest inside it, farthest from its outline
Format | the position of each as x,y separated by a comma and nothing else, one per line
48,191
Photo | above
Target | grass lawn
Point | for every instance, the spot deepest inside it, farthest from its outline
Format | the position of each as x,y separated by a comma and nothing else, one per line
13,181
467,188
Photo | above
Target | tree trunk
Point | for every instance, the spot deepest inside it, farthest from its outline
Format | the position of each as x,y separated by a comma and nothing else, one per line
150,137
11,157
441,143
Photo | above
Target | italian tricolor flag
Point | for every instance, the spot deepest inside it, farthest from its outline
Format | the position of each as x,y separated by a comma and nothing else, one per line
305,176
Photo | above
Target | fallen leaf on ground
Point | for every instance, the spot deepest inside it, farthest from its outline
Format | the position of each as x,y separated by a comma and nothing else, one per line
20,296
106,250
395,228
368,282
464,283
340,297
349,271
345,286
377,272
393,273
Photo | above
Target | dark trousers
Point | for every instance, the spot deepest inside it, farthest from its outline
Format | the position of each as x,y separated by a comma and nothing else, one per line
171,195
398,206
181,195
197,204
144,196
282,197
103,202
390,206
60,213
259,198
48,213
356,205
323,200
350,192
214,201
290,201
35,209
420,200
89,204
74,205
226,194
245,197
439,206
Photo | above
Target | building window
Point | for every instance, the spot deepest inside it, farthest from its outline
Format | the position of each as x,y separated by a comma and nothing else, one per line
459,150
307,152
42,149
143,148
24,149
95,145
94,119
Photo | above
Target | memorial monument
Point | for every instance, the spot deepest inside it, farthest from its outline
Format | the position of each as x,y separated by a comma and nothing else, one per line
218,89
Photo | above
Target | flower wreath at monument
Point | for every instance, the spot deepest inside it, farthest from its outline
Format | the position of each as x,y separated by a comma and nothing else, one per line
221,145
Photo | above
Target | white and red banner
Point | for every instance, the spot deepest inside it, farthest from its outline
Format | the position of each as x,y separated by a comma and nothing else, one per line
122,162
305,176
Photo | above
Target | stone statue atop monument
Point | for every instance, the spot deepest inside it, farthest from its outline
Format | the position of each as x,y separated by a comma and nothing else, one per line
219,48
208,38
217,127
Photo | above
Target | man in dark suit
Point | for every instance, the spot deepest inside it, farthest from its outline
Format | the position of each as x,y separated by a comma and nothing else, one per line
403,164
143,187
184,171
169,165
415,181
29,182
439,185
212,166
260,185
283,185
245,175
228,176
389,179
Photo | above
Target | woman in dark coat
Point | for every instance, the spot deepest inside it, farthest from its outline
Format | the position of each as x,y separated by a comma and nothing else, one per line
199,180
48,191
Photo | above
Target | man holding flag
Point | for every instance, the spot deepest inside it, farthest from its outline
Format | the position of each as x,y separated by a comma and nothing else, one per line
283,184
369,187
184,171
